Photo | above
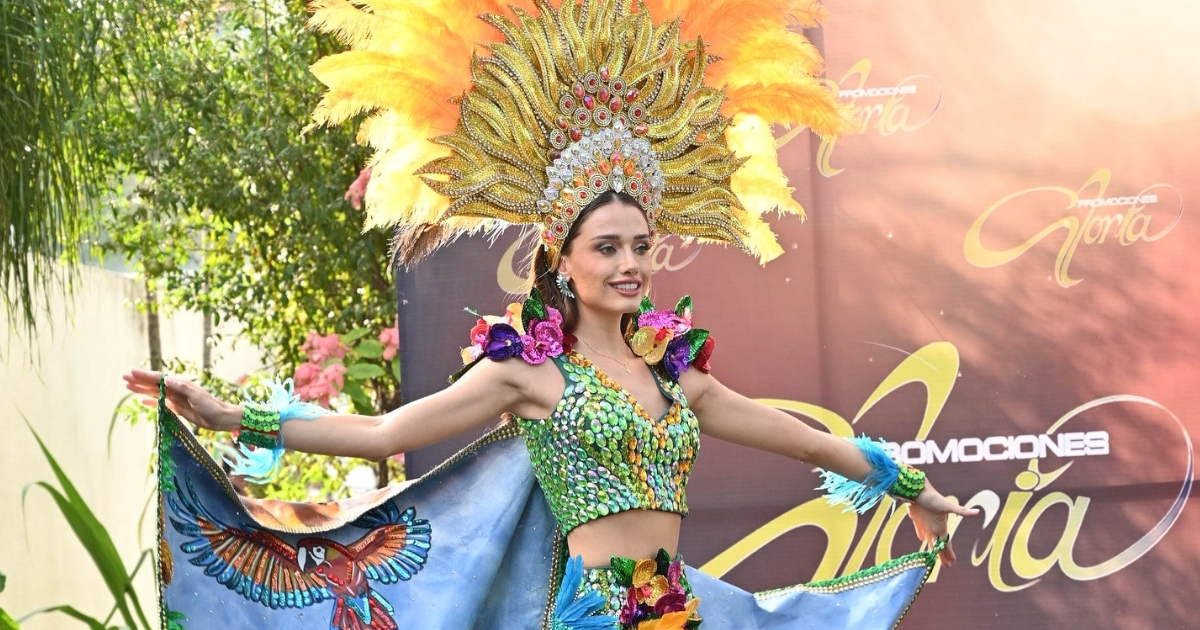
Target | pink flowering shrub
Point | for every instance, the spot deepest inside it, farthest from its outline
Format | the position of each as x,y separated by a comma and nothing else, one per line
354,364
390,339
319,349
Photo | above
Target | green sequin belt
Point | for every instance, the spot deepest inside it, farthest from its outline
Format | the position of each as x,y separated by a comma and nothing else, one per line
600,453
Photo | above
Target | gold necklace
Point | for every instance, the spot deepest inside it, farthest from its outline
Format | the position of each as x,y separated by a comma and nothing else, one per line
624,365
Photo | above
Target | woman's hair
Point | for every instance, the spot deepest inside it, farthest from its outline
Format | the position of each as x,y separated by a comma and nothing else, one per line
544,278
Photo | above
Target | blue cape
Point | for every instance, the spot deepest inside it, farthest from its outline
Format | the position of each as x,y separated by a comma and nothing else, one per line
470,545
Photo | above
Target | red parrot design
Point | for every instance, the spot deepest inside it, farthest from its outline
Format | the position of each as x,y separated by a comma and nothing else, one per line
262,567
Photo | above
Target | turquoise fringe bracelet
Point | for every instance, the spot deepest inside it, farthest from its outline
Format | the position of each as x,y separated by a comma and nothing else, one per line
887,477
260,442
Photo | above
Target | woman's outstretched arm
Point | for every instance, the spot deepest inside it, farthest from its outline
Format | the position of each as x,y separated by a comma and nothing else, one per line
481,395
729,416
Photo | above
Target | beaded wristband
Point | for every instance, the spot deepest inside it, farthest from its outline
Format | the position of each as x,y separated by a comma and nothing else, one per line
260,442
260,426
260,418
909,483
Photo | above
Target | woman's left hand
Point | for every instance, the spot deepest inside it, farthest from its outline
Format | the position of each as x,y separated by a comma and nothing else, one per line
929,514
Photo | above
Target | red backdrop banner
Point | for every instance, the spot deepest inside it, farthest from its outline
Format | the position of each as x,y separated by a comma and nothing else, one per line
995,278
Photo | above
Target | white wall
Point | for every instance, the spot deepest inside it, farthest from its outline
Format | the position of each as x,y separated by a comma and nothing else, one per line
67,388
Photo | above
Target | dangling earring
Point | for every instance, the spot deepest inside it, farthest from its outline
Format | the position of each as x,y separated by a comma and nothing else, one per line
563,287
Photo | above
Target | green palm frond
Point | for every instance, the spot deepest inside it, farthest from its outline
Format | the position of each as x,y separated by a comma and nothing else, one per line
48,170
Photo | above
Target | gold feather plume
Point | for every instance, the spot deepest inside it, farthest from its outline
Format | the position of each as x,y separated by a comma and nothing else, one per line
462,97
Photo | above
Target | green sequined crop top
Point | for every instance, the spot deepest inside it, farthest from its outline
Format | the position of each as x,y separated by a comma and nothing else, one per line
600,453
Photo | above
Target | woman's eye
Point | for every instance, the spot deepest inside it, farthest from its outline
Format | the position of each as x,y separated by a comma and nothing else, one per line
607,249
641,248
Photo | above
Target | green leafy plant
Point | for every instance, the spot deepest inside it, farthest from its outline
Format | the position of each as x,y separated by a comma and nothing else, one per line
118,578
6,622
222,204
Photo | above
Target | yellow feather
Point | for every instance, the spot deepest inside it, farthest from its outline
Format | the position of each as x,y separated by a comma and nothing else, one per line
362,81
764,55
759,184
805,101
345,21
761,241
720,21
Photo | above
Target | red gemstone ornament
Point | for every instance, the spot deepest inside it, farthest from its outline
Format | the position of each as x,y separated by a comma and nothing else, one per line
641,129
563,123
603,94
589,102
615,104
631,95
604,74
575,134
578,90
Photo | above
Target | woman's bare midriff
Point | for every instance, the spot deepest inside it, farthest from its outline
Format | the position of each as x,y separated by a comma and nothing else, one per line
629,534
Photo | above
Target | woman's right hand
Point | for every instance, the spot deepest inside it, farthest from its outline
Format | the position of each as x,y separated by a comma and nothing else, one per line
188,400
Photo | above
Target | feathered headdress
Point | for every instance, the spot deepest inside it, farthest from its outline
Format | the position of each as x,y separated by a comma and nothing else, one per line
482,118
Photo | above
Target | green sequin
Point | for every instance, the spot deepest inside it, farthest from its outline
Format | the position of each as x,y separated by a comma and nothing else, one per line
600,453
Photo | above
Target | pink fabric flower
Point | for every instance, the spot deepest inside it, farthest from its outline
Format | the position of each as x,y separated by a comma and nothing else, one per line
479,334
554,317
665,320
670,602
545,340
321,349
390,338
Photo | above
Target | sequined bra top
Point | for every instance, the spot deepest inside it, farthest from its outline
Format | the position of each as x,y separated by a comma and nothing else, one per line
600,453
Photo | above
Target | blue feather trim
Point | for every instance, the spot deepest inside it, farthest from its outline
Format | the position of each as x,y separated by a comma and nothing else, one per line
576,611
258,465
860,496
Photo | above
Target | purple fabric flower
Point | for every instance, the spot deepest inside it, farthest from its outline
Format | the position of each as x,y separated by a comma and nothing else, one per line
631,613
676,358
545,340
503,342
674,575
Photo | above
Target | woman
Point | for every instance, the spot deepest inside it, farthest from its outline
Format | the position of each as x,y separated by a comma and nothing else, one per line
605,265
600,127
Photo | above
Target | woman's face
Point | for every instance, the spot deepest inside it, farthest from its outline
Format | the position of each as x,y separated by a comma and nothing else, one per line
608,261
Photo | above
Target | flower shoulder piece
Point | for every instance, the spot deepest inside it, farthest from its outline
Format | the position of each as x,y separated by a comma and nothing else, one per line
530,330
668,338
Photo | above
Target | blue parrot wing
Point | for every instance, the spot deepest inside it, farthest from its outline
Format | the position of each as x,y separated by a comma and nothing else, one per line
397,545
247,559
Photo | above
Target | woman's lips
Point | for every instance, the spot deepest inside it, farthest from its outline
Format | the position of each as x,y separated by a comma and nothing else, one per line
627,288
